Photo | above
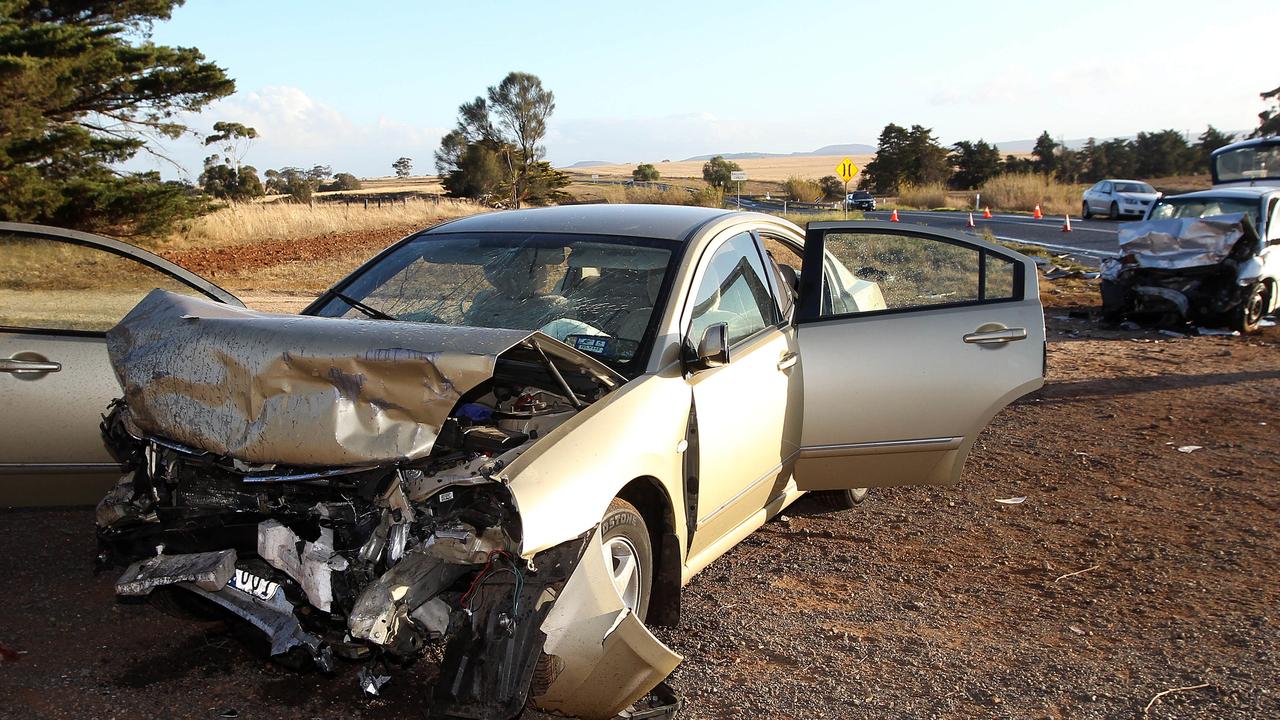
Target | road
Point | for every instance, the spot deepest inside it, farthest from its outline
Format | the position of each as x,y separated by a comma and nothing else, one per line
1088,242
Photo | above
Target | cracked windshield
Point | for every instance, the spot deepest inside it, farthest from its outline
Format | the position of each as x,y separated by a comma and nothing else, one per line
595,293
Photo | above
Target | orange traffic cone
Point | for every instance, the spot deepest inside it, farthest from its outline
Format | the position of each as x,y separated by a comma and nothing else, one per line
986,214
1038,215
1066,224
971,221
894,216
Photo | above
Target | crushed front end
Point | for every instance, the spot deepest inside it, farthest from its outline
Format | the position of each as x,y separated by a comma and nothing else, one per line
1176,271
416,544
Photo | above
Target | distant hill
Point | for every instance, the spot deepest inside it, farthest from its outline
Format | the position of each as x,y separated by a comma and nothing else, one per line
847,149
590,163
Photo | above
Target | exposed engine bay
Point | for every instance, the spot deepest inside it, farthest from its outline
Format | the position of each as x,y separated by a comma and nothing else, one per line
1176,271
370,561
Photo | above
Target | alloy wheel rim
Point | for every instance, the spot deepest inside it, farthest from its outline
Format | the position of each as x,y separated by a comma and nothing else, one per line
621,558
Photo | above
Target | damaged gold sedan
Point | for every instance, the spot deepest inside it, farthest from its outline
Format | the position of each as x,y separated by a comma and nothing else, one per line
516,436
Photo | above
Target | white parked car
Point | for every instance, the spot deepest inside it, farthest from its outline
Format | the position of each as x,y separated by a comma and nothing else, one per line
1116,198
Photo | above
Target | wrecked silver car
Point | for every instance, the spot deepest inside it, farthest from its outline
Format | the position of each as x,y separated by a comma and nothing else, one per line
1198,258
515,437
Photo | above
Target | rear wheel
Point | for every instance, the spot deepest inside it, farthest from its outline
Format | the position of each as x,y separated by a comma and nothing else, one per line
1084,211
1248,316
840,499
628,554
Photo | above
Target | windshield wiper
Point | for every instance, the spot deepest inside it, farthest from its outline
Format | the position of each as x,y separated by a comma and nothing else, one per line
369,311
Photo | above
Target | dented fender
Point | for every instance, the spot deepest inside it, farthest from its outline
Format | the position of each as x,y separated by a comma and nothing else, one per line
564,483
600,658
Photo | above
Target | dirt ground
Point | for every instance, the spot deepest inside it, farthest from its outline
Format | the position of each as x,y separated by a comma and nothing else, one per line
1131,569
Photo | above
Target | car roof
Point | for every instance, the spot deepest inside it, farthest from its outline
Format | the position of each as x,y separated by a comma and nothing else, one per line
661,222
1266,140
1242,193
1120,180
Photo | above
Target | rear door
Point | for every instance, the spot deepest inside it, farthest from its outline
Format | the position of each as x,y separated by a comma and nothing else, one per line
910,340
60,290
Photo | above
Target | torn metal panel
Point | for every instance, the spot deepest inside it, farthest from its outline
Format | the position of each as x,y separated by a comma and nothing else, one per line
311,564
304,391
207,570
601,658
274,617
1184,242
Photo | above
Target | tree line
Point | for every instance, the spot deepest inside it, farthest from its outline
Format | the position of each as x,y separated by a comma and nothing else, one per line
83,90
914,156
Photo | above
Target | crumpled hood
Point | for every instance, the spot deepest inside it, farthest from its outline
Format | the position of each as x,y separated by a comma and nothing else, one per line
1184,242
299,390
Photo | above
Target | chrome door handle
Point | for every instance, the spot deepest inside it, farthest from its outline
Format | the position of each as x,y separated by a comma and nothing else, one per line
995,337
787,360
23,367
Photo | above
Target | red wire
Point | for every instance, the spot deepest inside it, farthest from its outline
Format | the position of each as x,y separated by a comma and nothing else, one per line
475,583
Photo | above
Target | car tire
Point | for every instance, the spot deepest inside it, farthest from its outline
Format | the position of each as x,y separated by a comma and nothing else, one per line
1115,211
625,540
1248,316
836,500
1084,211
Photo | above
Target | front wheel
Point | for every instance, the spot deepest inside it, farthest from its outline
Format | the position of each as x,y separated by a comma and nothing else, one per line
628,555
1248,316
1115,211
1084,211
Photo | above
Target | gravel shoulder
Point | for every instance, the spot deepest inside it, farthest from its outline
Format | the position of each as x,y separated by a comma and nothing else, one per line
1130,569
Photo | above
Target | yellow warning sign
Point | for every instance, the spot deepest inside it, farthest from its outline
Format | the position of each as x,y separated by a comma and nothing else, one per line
846,170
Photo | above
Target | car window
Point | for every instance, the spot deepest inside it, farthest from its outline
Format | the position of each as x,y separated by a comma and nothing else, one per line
733,290
49,284
869,272
1106,187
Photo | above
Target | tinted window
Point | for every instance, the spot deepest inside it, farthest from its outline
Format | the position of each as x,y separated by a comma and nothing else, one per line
733,290
48,284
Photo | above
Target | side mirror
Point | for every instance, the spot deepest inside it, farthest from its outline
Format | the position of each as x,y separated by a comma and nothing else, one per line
713,348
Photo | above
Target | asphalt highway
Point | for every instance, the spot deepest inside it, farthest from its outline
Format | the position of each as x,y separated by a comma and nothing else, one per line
1088,242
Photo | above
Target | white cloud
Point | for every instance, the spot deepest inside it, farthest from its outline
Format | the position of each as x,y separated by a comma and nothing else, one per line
296,129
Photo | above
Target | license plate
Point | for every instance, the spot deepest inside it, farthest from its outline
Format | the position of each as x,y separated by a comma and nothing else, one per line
250,584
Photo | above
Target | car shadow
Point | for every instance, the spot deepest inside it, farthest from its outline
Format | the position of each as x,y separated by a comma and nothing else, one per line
1086,390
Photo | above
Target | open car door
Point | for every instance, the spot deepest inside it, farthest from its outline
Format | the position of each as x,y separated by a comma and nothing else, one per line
60,290
911,339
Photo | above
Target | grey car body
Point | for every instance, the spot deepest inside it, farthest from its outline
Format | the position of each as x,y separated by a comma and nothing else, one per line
60,290
1117,198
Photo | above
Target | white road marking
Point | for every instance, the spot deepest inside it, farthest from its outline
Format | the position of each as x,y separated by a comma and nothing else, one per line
1061,248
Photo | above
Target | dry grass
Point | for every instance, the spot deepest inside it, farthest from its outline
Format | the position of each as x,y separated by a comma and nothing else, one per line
769,169
617,194
1008,192
426,184
248,223
925,197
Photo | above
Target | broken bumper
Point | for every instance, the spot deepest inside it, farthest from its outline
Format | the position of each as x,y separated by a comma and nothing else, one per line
555,633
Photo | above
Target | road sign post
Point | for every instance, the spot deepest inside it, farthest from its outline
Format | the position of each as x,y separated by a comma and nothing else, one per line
738,176
846,170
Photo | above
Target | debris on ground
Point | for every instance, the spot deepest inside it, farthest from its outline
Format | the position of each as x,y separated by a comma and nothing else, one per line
1012,500
1189,448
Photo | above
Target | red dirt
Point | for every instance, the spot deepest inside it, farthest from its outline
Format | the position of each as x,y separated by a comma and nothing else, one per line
1130,569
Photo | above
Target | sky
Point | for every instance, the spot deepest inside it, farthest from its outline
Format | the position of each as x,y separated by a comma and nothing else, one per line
357,85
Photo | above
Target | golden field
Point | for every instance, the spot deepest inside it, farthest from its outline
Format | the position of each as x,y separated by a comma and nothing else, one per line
768,169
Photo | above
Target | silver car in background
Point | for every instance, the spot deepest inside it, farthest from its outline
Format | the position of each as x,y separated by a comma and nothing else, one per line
1116,198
